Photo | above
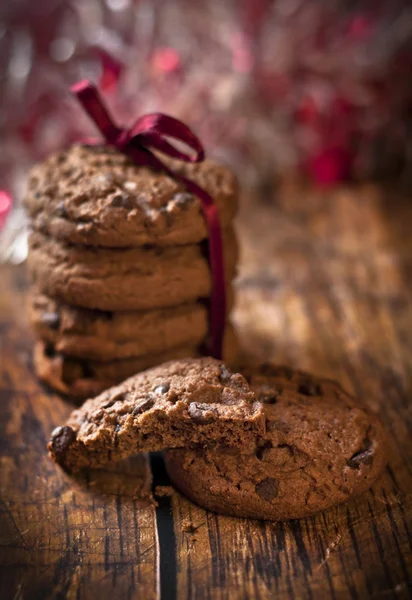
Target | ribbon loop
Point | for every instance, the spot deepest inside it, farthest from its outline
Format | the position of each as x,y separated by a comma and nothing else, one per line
152,131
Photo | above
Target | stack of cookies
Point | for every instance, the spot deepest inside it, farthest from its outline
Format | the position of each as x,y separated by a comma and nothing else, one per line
118,260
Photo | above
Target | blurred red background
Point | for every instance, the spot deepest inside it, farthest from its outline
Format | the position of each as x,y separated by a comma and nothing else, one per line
315,87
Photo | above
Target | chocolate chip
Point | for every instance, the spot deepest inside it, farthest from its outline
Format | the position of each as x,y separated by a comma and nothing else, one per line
268,395
49,351
162,388
364,456
201,413
108,403
61,438
267,489
52,319
309,388
183,199
117,397
61,210
121,200
225,374
142,406
87,370
263,450
116,432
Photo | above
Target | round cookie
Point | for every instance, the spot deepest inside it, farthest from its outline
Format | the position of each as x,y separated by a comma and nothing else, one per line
124,279
106,336
95,195
320,449
81,378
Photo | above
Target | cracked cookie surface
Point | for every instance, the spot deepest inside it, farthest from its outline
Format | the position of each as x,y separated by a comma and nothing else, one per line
95,195
180,403
320,449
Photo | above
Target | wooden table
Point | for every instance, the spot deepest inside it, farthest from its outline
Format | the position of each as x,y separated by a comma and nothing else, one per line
325,285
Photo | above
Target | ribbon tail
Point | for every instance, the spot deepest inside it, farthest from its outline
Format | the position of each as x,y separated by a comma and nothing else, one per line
216,251
88,95
217,264
218,297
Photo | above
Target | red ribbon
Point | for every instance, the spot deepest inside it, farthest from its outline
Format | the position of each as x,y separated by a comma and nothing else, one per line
152,131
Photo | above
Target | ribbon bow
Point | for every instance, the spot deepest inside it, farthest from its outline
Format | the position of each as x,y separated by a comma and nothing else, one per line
152,131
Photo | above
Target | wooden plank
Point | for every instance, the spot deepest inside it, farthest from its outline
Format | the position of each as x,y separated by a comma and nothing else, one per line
325,286
63,538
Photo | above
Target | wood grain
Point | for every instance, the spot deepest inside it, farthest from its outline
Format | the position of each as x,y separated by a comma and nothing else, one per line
325,285
92,537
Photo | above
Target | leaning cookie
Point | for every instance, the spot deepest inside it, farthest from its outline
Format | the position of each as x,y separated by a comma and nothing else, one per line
81,378
95,195
180,403
125,279
320,449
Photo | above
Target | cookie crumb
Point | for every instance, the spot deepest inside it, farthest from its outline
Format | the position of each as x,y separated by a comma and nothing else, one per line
164,491
188,526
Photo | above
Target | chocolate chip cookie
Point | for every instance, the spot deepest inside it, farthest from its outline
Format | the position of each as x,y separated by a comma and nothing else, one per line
95,195
320,449
105,336
82,378
180,403
124,279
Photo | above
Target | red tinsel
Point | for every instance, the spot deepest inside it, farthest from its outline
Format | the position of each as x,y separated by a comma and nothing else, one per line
267,85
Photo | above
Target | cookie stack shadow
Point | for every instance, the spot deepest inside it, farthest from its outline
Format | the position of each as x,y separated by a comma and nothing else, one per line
118,261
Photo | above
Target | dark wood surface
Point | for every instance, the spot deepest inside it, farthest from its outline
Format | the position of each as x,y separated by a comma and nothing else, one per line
326,285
